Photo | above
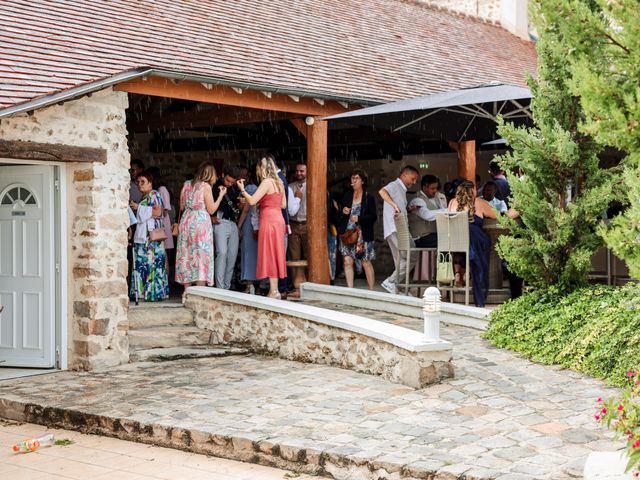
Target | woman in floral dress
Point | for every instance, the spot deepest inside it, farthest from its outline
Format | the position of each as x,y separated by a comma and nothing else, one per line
359,214
194,252
149,280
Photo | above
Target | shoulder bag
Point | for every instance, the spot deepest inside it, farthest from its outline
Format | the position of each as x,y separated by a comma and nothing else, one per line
157,234
350,237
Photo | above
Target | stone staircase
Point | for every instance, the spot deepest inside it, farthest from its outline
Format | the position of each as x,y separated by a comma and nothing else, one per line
167,331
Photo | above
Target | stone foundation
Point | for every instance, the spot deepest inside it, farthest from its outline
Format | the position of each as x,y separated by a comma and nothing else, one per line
309,334
97,220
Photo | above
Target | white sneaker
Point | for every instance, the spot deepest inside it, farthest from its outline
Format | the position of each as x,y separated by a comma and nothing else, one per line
388,286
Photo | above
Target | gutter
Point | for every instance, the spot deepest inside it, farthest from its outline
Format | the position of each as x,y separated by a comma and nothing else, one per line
88,88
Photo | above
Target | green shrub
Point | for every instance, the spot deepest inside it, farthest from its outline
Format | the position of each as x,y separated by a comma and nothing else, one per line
595,329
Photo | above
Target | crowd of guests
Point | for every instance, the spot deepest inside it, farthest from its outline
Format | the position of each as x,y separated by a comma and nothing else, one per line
256,214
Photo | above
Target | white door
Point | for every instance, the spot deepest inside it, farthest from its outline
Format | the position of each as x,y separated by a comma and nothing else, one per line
27,280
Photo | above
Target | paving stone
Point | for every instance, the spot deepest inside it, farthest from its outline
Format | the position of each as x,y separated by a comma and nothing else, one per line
578,435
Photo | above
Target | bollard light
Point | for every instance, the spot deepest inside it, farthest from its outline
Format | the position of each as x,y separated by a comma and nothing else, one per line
431,314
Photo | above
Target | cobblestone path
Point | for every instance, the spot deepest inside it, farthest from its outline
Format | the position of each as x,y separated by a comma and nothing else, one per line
501,417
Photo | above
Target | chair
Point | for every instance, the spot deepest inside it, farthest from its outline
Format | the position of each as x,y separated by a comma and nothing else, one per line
453,236
405,244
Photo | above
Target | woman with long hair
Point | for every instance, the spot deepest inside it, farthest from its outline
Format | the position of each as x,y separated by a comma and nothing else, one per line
149,280
194,253
356,228
271,197
479,242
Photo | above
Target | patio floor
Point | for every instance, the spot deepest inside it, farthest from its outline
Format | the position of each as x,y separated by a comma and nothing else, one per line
501,416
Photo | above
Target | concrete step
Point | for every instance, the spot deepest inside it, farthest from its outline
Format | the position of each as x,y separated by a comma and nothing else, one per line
178,353
157,317
163,337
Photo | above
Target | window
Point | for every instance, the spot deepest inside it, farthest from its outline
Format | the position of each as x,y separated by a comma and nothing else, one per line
18,194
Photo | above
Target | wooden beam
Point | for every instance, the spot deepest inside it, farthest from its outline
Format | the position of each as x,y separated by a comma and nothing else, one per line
466,158
300,125
214,117
220,94
51,152
317,247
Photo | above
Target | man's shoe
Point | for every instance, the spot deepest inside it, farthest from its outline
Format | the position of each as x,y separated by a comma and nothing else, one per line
388,286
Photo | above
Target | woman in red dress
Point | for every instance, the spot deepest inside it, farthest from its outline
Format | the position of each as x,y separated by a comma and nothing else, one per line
270,197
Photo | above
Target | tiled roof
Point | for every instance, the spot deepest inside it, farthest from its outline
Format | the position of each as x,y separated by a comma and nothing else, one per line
361,49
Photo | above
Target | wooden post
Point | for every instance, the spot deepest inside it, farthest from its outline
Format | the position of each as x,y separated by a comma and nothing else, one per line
317,137
466,158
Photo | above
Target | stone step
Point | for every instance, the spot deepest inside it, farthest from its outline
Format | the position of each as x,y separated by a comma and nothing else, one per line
179,353
163,337
157,317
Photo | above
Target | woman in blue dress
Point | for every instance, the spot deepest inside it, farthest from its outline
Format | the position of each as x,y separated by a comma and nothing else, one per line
479,242
247,224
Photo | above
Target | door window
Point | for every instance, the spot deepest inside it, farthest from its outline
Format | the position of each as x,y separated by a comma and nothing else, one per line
18,193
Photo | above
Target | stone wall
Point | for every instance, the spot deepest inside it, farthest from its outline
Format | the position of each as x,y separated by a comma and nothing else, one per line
97,196
296,338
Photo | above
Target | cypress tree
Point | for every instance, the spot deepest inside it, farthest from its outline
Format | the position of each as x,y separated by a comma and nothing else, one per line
563,193
605,70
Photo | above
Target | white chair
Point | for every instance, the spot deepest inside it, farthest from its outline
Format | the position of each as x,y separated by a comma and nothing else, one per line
405,244
453,236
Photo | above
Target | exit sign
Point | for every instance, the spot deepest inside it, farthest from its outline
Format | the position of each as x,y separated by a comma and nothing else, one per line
424,165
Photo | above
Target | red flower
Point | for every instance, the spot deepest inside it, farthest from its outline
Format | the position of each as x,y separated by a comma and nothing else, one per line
599,400
597,417
620,408
603,411
631,374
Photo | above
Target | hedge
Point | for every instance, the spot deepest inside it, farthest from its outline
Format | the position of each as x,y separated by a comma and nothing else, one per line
595,329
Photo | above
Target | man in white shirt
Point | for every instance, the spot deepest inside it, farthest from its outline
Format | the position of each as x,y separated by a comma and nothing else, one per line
394,195
298,222
422,212
489,194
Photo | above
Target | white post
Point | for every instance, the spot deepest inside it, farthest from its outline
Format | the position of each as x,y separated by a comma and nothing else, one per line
431,314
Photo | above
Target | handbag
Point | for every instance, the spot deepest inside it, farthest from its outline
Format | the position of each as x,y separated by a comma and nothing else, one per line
350,237
444,273
157,234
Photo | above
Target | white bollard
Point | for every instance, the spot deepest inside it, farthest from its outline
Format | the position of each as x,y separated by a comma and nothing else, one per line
431,314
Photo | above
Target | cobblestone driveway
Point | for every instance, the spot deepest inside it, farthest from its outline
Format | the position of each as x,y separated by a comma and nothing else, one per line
501,417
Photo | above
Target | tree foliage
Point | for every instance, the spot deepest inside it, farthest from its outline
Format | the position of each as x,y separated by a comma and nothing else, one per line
563,192
605,75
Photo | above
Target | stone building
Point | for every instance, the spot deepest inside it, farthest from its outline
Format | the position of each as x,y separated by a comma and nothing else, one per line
85,85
